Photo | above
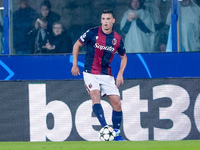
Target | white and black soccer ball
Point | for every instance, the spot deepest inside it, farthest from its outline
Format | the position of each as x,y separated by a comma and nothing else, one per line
107,134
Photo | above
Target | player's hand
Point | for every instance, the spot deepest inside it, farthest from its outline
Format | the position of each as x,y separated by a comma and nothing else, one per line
119,80
75,71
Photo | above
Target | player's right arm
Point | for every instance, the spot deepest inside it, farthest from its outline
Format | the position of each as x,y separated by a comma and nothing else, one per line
80,42
75,69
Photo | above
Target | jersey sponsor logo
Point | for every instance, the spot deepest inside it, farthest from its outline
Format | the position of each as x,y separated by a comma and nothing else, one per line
108,48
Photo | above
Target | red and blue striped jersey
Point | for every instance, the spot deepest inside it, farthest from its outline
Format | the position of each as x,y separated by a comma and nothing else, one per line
101,48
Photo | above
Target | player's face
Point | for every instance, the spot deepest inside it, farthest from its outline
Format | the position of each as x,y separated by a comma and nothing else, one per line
107,21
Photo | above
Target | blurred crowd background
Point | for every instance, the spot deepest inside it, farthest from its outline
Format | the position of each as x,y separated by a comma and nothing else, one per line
77,16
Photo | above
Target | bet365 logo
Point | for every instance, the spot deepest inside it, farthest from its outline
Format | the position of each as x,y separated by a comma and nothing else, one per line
169,122
142,119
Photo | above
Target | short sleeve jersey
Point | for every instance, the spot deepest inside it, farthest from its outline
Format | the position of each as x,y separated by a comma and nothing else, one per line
101,49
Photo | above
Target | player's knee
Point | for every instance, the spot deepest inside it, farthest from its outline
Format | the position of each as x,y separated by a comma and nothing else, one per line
95,96
117,106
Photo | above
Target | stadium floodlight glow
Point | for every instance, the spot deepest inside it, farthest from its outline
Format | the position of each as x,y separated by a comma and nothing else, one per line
1,8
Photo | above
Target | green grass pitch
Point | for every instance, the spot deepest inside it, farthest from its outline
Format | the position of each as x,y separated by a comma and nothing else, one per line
85,145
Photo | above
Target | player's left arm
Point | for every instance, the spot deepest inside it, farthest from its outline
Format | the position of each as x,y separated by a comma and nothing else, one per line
120,79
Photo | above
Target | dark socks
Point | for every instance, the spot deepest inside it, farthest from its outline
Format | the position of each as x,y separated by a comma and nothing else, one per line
116,119
98,111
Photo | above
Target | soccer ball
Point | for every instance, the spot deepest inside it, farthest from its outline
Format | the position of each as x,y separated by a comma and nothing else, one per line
107,134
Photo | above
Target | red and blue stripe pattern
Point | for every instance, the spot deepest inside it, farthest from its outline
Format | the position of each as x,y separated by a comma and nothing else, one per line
100,50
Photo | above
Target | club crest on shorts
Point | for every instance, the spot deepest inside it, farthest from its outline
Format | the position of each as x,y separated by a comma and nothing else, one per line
90,85
114,41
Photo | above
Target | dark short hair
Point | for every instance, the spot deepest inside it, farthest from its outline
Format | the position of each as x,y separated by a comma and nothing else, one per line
108,12
46,3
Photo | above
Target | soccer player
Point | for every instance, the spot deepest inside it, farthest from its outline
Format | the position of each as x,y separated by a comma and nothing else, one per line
102,43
